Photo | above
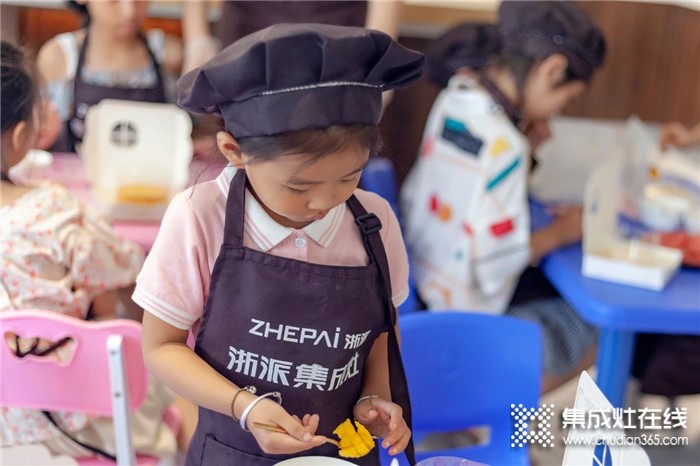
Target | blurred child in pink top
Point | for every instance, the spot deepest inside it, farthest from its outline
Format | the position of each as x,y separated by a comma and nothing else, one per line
62,256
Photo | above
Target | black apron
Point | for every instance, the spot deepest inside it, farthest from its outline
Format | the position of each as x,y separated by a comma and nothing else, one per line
240,18
86,95
295,327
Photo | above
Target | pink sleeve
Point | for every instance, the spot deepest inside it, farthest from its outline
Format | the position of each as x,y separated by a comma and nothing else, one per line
173,282
397,257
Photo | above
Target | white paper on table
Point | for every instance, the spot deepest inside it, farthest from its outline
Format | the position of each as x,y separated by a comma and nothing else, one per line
601,207
639,144
606,254
589,396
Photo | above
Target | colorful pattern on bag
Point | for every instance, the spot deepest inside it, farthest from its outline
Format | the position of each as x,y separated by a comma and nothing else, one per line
440,209
500,145
456,132
496,180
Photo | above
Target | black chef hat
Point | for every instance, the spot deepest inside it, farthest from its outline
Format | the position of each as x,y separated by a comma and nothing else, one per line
539,28
296,76
531,28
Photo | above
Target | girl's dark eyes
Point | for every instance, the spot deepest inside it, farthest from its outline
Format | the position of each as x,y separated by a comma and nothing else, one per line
354,179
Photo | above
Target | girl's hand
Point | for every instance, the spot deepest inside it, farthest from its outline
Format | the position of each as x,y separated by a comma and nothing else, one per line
537,132
300,434
384,419
568,223
49,125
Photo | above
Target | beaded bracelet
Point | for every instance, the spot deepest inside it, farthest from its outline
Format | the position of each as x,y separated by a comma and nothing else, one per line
250,389
249,408
366,397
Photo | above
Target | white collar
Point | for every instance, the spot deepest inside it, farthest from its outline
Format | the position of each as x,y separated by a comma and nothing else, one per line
266,232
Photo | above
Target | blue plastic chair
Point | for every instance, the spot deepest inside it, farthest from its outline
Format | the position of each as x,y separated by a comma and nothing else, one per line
464,370
379,177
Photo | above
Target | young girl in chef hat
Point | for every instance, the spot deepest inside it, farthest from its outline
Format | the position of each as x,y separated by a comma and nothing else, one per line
285,271
465,203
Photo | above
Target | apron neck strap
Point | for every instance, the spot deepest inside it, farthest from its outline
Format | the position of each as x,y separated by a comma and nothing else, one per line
235,210
512,112
370,225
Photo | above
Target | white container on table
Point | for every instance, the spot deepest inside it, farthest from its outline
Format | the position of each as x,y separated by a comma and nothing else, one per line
136,156
608,256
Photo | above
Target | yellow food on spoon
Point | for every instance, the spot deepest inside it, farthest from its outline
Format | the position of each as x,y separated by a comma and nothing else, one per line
353,443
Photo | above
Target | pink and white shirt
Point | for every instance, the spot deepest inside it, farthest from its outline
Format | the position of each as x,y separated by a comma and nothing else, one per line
174,282
58,255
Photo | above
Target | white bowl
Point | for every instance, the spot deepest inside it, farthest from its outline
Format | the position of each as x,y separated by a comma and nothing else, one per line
445,461
314,461
659,216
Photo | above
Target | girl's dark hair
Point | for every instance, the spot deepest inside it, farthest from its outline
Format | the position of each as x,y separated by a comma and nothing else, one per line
20,92
81,9
316,143
520,65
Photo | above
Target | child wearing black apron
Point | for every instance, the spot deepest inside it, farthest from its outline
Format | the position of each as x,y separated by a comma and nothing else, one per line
298,344
85,94
112,44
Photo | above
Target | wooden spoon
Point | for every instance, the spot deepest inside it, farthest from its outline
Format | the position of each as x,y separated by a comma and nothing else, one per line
274,428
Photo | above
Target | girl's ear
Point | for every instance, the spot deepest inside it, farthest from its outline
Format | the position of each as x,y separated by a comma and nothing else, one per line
19,134
229,147
553,69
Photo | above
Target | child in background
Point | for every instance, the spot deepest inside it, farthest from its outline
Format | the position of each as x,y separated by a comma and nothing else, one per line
109,58
465,201
287,281
59,255
240,18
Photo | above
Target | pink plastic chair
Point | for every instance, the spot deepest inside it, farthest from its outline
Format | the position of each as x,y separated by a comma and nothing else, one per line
105,374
